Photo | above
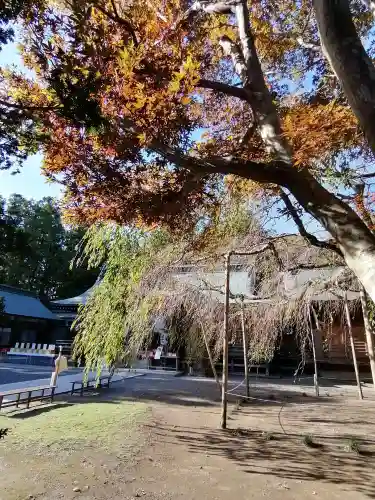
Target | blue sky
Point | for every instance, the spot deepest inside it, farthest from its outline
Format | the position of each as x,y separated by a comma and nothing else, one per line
29,182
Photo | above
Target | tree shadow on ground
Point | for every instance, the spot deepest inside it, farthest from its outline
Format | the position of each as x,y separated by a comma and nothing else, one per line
21,414
187,394
285,456
252,444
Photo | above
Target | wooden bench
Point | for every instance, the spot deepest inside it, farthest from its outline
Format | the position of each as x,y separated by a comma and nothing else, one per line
90,384
28,391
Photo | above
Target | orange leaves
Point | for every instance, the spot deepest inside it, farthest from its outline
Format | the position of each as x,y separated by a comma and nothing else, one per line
123,86
316,131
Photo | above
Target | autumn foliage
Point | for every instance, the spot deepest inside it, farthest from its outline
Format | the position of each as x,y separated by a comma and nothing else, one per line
119,86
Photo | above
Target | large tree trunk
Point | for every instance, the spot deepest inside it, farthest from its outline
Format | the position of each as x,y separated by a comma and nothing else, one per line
351,234
349,60
369,334
356,72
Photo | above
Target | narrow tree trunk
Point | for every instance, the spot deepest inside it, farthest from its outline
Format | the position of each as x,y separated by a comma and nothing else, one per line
368,333
354,356
245,353
224,385
316,381
349,60
210,356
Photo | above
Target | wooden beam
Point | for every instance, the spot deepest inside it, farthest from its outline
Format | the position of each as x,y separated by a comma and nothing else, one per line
224,386
354,356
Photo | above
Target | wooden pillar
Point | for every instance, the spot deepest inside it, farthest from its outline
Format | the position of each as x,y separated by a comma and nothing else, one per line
354,356
210,355
368,333
224,385
245,348
316,381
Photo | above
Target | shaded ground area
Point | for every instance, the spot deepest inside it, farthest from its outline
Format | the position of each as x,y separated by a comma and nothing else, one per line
157,437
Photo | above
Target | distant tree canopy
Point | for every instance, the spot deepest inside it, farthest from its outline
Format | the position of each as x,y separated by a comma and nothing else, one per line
36,249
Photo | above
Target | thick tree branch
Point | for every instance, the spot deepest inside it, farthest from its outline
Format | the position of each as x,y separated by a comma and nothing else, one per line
308,45
232,50
273,171
300,267
223,88
260,98
370,4
25,107
248,135
310,238
224,7
120,20
277,172
365,176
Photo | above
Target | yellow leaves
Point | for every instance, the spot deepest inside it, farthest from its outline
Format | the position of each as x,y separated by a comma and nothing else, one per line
174,86
139,103
185,80
190,66
242,188
142,138
217,26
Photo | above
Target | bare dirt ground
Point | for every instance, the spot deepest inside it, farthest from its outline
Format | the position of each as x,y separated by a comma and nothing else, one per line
302,448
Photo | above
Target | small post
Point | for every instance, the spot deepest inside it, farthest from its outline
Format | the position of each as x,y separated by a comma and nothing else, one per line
244,342
55,373
368,333
354,356
316,381
210,356
28,399
224,385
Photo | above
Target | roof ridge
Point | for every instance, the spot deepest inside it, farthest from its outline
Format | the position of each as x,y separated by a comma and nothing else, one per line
18,291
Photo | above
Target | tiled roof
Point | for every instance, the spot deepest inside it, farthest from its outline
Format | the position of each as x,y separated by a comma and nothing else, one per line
78,300
20,302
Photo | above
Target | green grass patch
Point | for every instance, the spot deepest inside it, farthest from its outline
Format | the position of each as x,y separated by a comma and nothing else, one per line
354,445
107,425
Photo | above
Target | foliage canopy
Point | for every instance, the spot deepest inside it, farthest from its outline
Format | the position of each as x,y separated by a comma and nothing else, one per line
133,102
36,249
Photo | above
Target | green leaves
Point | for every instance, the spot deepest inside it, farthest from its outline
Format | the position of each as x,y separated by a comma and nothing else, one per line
36,249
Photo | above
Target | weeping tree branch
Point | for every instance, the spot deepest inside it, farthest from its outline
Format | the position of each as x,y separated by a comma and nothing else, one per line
310,238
